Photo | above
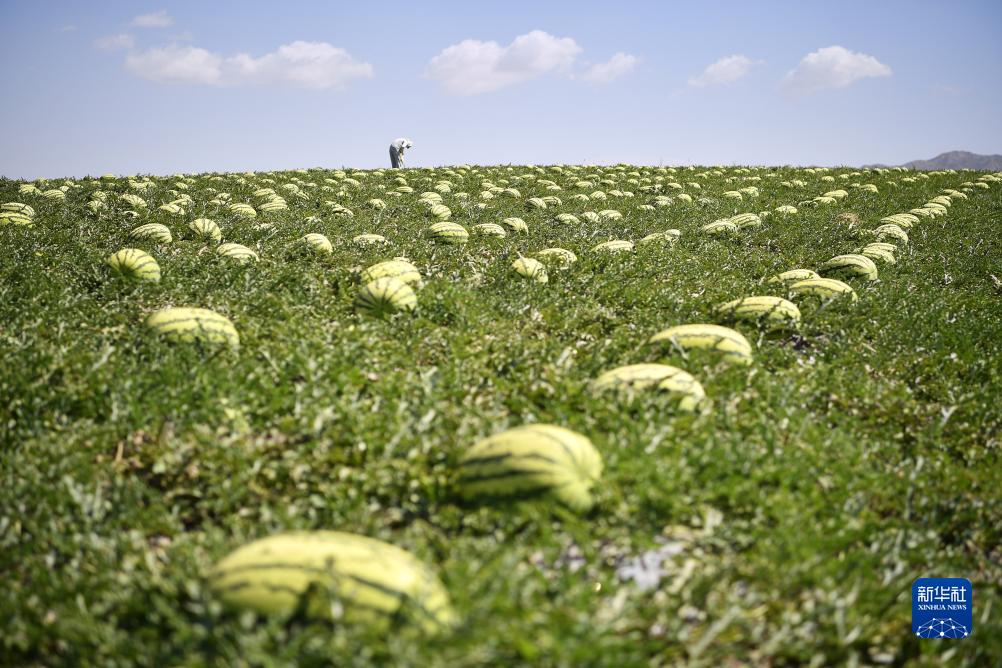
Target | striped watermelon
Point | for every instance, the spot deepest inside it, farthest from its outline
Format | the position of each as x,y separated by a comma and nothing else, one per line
385,296
558,255
826,288
136,264
237,252
152,232
318,243
731,344
536,459
531,269
774,311
205,229
850,265
189,325
316,572
450,233
678,383
399,269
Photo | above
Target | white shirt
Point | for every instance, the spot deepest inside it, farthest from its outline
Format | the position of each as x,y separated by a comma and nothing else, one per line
401,144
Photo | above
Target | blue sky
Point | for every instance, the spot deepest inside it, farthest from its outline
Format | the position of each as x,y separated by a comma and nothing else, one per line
162,87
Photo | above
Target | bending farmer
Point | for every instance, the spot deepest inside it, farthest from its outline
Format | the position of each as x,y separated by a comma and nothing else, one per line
397,149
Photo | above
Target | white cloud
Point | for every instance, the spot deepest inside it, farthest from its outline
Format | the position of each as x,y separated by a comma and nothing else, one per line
67,28
306,64
177,64
315,65
725,71
615,67
472,66
115,42
160,19
832,67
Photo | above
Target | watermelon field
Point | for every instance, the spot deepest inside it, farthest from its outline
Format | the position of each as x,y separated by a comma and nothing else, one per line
507,415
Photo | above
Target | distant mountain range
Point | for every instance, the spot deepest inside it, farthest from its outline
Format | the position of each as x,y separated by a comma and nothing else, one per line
956,160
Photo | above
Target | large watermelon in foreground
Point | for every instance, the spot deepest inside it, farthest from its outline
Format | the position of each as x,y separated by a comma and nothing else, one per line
311,570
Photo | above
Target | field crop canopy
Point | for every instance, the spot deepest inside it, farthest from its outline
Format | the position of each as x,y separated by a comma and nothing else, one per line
516,415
